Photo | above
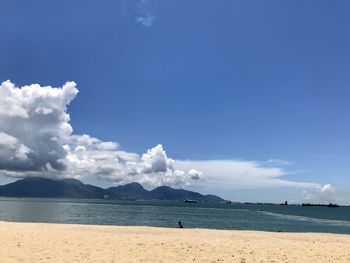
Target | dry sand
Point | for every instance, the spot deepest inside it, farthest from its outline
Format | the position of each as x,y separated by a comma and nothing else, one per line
29,242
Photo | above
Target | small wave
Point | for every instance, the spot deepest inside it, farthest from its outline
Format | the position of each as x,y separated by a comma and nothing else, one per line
308,219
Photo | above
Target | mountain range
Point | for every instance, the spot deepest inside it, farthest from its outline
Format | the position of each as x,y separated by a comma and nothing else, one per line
72,188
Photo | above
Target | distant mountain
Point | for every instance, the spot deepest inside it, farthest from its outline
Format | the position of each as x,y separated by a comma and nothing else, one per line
42,187
71,188
168,193
132,191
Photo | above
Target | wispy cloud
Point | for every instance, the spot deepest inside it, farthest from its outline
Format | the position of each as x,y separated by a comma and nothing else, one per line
146,20
139,11
236,174
276,162
144,16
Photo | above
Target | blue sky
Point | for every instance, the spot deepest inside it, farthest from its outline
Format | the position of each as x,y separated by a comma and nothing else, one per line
209,80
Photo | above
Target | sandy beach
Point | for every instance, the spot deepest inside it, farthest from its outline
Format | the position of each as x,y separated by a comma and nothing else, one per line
31,242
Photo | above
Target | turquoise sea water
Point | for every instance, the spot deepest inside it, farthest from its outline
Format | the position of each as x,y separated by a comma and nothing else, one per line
166,214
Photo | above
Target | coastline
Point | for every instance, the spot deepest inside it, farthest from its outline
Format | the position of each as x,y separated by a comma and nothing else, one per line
47,242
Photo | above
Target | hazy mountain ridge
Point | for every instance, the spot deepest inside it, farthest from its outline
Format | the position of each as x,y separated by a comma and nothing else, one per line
71,188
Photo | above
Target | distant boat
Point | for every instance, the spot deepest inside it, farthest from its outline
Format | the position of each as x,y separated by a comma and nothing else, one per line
308,204
190,201
228,202
332,205
324,205
285,203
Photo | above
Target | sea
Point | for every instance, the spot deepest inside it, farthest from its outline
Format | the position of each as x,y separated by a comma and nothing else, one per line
262,217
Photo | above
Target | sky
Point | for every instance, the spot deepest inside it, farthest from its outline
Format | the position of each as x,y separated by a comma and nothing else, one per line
245,99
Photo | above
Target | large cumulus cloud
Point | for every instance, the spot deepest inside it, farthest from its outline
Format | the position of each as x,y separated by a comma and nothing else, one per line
34,125
36,139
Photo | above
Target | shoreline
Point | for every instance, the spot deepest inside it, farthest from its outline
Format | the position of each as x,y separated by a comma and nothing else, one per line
50,242
169,228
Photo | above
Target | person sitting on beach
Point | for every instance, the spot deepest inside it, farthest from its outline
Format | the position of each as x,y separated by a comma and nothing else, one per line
179,225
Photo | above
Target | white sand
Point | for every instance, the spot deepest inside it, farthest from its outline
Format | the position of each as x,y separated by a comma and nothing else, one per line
28,242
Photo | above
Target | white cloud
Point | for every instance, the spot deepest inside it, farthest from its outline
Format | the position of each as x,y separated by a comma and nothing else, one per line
240,174
91,142
146,20
194,174
327,188
277,162
322,194
156,160
35,124
108,146
144,16
153,167
139,10
36,139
